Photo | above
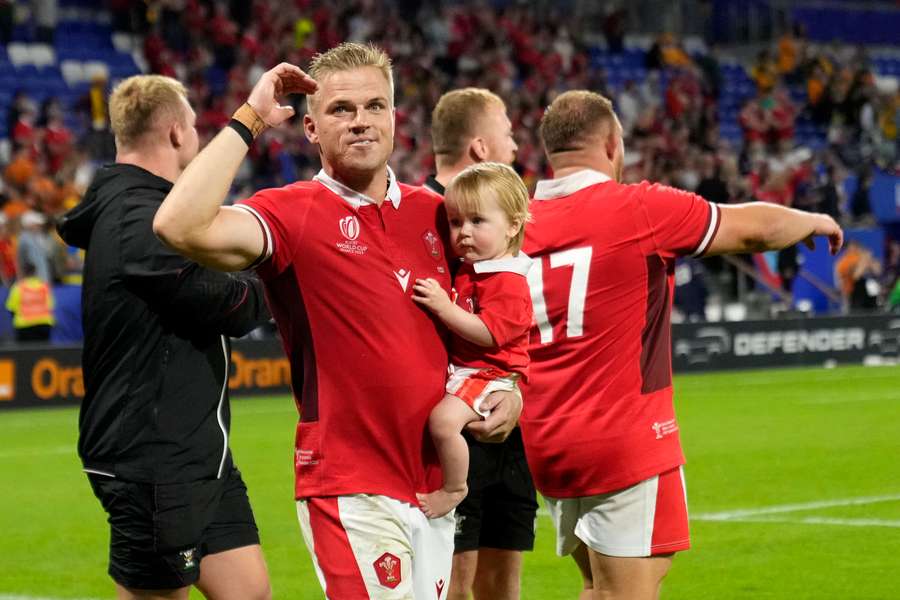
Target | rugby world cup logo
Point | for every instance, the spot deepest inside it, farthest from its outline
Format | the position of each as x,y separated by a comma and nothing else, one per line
349,227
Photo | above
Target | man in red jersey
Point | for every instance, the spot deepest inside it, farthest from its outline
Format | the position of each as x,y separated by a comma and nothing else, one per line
599,424
339,256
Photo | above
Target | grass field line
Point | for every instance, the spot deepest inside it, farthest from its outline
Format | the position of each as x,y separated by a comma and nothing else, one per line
742,514
770,377
864,522
24,597
39,451
847,400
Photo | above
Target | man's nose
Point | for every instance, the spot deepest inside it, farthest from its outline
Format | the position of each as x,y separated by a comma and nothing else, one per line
360,122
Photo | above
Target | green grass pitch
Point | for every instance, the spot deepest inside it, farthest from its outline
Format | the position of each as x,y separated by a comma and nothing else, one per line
793,482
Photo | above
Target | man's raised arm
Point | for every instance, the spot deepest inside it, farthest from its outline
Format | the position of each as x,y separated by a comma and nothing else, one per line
192,219
759,226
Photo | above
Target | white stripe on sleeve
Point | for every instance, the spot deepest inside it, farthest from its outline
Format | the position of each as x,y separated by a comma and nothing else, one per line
710,231
269,242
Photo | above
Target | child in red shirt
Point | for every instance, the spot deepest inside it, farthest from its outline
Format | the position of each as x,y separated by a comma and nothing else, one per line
489,316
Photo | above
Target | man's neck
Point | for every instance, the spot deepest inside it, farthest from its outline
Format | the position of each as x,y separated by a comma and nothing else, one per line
445,174
154,161
373,184
568,163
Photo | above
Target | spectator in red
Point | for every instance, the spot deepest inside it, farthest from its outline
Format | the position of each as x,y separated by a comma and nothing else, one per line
753,123
25,133
224,34
57,138
781,117
768,119
7,253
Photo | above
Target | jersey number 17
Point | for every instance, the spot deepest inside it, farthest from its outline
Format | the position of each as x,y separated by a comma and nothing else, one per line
580,261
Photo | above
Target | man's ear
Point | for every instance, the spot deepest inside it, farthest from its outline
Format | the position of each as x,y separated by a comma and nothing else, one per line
478,149
176,134
309,128
611,146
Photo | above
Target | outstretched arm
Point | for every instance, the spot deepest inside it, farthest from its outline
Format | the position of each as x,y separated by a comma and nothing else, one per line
192,219
466,325
760,226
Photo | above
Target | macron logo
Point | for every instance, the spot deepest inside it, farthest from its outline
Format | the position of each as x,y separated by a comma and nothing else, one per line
403,278
439,587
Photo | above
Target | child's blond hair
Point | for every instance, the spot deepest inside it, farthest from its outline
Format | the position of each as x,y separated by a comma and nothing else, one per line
491,179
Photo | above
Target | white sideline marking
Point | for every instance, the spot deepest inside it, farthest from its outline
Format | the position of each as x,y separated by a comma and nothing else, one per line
787,508
892,398
811,521
764,514
21,597
36,452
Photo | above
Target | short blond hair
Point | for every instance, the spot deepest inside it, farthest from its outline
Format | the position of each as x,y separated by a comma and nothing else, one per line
574,117
138,102
347,56
455,118
476,182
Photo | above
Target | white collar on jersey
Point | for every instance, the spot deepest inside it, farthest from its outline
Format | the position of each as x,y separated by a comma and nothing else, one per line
516,264
568,185
354,198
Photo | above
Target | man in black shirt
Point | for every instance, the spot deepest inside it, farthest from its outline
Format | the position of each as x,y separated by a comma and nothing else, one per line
154,423
495,522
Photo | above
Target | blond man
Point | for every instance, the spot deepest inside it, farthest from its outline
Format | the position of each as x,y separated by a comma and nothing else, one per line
495,522
469,126
154,423
599,426
339,256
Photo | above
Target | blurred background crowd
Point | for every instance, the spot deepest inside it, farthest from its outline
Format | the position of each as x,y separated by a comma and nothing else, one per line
768,111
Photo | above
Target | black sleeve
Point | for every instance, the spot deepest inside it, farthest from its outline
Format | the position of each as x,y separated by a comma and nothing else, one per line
187,296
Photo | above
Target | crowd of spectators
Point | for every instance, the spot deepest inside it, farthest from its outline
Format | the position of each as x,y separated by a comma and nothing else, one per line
46,174
524,53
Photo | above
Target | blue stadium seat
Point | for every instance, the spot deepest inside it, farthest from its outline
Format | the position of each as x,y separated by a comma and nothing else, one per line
22,33
217,79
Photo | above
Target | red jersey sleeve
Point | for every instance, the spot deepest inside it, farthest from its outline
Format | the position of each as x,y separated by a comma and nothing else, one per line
504,305
680,223
281,220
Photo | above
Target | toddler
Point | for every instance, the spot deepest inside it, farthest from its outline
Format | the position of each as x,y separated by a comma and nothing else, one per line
489,316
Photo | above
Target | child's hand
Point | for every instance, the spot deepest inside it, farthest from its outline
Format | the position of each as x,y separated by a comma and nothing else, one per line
430,293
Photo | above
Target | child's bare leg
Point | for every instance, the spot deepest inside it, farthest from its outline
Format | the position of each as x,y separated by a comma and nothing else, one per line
446,423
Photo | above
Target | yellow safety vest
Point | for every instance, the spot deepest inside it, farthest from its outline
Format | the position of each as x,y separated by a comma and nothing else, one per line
31,302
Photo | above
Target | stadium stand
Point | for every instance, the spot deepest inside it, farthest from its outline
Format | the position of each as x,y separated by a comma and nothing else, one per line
797,120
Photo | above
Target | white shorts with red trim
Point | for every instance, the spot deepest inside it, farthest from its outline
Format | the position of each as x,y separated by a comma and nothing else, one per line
472,386
366,546
646,519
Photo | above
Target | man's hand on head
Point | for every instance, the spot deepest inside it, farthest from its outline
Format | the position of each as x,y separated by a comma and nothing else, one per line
275,84
505,409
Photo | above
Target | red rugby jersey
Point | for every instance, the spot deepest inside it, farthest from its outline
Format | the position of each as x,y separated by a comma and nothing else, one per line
367,363
497,291
598,413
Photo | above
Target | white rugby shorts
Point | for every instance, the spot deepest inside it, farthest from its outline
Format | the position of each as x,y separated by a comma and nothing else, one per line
365,546
646,519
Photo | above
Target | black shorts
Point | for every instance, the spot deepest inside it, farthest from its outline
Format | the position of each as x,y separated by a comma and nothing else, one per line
160,532
501,507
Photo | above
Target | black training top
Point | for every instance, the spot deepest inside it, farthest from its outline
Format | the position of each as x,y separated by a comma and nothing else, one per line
156,352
